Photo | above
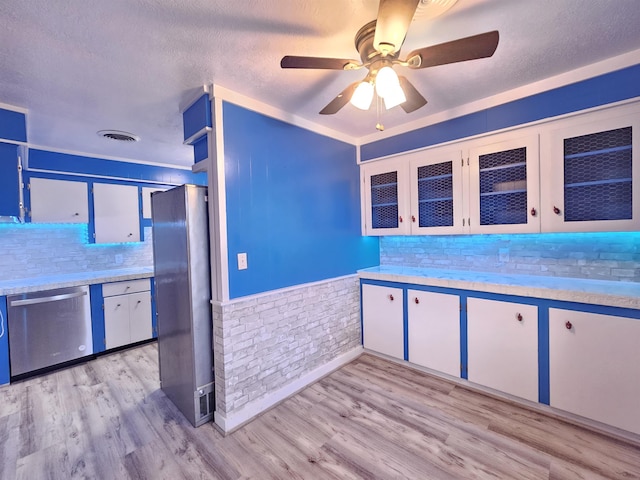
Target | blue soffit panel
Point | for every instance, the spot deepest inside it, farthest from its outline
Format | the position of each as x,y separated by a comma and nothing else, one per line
201,148
13,125
197,117
81,165
601,90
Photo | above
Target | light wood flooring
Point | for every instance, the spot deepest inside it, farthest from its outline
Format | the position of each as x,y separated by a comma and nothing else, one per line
372,419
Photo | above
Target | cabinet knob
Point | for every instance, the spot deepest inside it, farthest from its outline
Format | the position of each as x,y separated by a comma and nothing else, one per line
556,210
76,214
417,300
391,297
400,218
533,212
568,325
413,218
519,317
130,235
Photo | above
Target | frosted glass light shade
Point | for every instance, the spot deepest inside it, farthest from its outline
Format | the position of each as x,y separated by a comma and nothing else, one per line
362,96
386,81
394,97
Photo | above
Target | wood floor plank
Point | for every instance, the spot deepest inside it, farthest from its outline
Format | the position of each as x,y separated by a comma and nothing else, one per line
371,419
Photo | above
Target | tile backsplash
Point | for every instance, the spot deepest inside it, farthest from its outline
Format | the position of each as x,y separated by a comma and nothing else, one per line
601,256
36,250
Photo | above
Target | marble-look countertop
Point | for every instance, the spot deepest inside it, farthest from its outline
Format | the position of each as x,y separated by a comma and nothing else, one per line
596,292
26,285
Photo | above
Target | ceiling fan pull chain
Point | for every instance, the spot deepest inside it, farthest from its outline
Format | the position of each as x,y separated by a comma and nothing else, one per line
379,125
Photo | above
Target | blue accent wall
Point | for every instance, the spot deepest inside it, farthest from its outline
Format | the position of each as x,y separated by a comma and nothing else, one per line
293,204
13,125
608,88
63,162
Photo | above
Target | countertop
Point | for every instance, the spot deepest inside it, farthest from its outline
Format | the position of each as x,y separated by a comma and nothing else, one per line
26,285
596,292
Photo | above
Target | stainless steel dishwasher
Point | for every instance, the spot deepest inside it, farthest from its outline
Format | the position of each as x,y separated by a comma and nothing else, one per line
49,327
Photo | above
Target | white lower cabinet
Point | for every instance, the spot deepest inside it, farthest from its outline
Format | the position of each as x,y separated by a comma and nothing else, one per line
593,366
127,312
434,331
503,346
382,320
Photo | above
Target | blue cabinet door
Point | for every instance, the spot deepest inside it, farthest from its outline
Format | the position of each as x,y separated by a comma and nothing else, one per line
9,185
4,343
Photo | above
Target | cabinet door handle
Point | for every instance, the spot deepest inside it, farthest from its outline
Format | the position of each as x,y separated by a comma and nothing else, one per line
556,210
391,297
568,325
400,218
413,218
417,300
519,317
76,214
533,212
130,235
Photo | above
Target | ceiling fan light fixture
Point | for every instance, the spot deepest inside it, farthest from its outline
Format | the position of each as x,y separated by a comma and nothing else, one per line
362,96
386,81
394,97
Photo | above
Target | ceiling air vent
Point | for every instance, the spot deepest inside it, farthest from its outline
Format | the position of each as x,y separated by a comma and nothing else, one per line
119,136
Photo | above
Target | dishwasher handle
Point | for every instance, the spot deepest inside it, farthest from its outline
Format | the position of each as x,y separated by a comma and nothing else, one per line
53,298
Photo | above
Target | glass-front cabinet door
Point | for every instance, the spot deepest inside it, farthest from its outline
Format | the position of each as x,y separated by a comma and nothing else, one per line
592,173
504,186
436,192
386,193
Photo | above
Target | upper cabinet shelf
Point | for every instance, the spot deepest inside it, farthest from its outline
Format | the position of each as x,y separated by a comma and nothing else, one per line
580,173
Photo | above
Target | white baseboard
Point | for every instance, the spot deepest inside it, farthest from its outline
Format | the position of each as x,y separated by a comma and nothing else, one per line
231,421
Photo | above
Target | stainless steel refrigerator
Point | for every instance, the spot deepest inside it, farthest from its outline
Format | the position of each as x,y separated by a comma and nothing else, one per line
183,294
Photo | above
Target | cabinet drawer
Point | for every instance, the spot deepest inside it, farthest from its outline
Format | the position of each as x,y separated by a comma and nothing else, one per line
129,286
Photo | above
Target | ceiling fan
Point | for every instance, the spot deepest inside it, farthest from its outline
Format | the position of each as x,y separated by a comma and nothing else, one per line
379,43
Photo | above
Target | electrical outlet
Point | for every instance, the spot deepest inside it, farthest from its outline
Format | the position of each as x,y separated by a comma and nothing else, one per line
242,261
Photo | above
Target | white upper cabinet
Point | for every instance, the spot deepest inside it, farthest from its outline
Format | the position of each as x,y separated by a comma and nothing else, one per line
146,199
590,168
58,201
580,173
386,198
504,188
436,192
116,212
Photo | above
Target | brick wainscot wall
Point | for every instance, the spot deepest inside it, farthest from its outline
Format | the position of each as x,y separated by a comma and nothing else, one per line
268,346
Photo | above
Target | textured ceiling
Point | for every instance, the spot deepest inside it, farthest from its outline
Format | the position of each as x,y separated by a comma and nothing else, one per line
80,66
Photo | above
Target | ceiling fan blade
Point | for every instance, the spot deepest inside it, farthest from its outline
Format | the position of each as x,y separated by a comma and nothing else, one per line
341,100
414,99
469,48
394,18
291,61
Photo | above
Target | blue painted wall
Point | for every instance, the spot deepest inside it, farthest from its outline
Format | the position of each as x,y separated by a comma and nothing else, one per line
293,204
608,88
